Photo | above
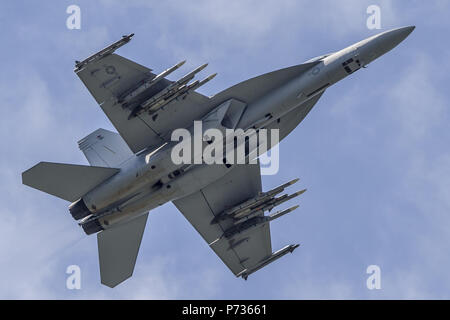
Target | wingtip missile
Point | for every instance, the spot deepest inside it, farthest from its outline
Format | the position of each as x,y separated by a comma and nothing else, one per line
127,37
104,52
274,256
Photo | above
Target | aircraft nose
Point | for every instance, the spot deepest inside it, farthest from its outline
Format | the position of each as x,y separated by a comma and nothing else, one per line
388,40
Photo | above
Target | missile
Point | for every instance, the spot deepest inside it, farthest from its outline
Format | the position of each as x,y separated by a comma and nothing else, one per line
260,211
247,207
191,74
171,89
254,222
201,83
162,102
279,214
108,50
158,100
282,187
272,203
150,83
274,256
261,198
252,214
267,205
169,71
182,90
252,202
193,86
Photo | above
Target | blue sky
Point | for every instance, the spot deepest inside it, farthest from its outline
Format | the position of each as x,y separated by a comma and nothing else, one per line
373,153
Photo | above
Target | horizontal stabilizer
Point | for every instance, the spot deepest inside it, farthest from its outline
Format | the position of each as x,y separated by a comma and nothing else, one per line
66,181
118,248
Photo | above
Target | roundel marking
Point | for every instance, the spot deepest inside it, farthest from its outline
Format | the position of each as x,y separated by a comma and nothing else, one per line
110,69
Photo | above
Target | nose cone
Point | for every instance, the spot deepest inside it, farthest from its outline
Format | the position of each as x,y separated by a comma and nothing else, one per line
390,39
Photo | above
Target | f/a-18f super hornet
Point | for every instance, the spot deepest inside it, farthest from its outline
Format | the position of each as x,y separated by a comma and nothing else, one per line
131,172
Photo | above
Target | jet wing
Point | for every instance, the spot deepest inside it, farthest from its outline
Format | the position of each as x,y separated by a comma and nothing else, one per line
244,252
109,76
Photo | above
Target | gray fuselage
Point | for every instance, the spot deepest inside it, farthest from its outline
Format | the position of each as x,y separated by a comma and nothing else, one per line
150,178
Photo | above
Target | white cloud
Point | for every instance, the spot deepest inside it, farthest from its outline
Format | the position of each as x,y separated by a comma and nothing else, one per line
415,102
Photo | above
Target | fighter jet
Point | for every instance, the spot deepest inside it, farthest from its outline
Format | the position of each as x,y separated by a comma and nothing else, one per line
132,172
